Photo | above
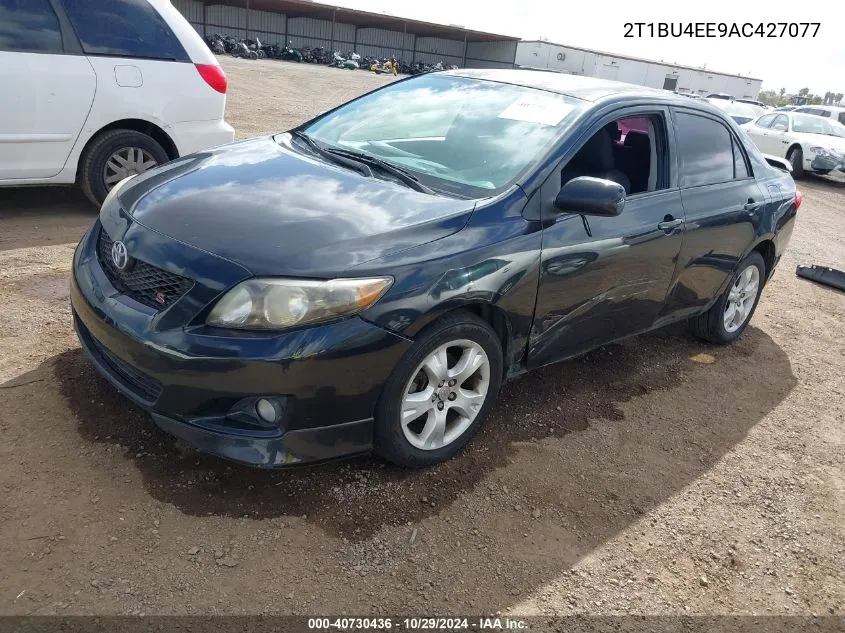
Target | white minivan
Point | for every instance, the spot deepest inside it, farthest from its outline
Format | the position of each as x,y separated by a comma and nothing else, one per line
97,90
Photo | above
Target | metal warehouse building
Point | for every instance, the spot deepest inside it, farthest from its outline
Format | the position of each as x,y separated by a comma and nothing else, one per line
580,61
311,24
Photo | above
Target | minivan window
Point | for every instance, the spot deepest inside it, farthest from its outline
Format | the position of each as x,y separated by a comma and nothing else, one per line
467,136
123,28
29,26
706,150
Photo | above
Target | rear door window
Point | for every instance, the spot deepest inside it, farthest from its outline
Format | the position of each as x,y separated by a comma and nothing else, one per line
29,26
740,164
123,28
706,150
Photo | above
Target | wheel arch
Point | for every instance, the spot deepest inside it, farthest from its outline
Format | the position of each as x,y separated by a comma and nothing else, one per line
137,125
793,146
767,249
493,315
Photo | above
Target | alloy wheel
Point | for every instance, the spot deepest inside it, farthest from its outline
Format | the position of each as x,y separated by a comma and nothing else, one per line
741,298
445,394
125,162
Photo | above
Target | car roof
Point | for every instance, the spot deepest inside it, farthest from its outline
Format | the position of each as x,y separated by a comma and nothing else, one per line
821,106
577,86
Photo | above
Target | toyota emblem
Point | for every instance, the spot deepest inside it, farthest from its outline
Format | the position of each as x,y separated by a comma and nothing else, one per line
119,255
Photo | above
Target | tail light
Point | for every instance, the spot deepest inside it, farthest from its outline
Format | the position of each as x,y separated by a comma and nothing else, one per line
799,198
213,76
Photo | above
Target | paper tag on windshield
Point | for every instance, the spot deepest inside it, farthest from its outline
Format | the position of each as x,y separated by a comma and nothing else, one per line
532,110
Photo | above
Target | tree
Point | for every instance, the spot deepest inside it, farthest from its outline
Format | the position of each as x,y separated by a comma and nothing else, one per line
782,92
803,92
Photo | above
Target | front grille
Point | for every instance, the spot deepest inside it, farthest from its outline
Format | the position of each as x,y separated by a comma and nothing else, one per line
142,282
144,387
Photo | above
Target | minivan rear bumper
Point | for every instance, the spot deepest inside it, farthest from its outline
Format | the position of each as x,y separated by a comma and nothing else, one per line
195,136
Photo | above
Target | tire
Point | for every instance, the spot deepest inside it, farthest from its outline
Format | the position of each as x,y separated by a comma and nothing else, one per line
796,159
92,166
391,437
711,326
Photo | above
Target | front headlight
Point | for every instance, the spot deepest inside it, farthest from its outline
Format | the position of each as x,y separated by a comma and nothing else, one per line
277,304
824,151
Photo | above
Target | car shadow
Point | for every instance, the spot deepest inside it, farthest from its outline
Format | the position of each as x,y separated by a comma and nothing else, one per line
43,216
710,412
816,182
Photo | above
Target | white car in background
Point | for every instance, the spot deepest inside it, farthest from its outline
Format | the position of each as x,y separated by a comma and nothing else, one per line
809,142
739,111
96,91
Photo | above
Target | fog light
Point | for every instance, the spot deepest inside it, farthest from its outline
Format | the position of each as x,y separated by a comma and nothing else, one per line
268,410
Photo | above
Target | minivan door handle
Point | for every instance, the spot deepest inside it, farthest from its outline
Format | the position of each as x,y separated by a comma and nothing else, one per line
669,223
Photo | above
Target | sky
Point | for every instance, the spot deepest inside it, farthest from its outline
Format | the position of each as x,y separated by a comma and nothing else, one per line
792,63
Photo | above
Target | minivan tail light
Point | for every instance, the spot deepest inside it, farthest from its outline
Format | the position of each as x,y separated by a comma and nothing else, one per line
799,198
213,76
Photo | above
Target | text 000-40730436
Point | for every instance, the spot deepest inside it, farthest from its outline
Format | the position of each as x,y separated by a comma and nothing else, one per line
721,29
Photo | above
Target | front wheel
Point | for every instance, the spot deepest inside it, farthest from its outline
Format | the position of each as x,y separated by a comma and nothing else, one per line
729,316
439,394
796,159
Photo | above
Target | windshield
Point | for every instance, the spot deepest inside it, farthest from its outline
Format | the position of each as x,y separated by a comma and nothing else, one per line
457,134
809,124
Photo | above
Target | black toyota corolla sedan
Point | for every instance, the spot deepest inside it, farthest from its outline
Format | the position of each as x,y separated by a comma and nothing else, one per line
367,280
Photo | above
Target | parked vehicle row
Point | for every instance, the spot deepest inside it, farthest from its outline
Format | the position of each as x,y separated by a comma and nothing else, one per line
409,251
255,49
95,92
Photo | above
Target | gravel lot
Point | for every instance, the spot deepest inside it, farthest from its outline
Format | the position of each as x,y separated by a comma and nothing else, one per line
659,476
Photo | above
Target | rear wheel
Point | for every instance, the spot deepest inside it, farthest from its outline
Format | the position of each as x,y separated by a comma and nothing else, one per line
729,316
796,159
439,394
115,155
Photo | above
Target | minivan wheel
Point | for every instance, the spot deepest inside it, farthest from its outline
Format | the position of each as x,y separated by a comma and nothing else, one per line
115,155
730,315
439,394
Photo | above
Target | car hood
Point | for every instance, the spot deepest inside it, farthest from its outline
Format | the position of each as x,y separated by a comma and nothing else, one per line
821,140
275,211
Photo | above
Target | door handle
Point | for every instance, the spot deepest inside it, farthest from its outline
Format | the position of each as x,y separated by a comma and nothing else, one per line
752,206
669,223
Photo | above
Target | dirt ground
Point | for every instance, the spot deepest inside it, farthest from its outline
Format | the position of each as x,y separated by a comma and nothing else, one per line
659,476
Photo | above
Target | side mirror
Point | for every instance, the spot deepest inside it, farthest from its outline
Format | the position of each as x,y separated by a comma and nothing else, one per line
780,127
586,195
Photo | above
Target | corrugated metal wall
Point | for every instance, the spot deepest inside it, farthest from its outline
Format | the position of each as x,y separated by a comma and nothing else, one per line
275,28
490,54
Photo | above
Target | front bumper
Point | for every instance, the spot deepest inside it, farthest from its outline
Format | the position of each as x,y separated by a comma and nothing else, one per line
827,163
191,379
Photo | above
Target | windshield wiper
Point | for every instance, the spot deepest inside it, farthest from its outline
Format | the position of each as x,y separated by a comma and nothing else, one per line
333,156
405,176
